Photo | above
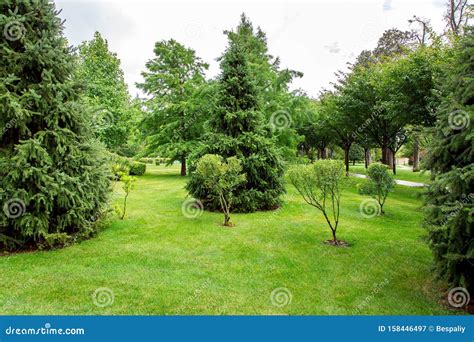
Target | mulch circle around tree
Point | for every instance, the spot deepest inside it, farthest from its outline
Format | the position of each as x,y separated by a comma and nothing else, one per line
340,243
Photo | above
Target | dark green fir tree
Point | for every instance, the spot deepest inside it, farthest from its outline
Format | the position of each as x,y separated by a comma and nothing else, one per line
450,198
53,178
237,128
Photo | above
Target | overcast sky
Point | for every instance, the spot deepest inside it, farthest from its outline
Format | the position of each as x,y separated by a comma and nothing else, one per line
315,37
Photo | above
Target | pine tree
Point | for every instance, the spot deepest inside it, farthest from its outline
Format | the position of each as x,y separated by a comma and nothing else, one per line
450,197
53,178
237,129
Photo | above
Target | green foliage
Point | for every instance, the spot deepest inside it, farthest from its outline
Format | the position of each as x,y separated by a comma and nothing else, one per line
380,183
356,153
320,186
123,165
314,127
221,179
137,169
378,100
54,180
278,105
236,128
179,101
128,183
106,92
449,197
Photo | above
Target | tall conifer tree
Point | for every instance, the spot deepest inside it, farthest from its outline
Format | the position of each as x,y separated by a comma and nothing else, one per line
53,178
450,198
237,128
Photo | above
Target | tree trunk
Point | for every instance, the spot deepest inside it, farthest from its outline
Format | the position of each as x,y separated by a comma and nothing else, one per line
226,219
384,155
390,157
334,237
183,166
124,206
346,158
394,162
387,157
367,157
324,153
416,154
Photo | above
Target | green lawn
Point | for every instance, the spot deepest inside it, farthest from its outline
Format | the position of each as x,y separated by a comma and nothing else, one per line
403,173
159,262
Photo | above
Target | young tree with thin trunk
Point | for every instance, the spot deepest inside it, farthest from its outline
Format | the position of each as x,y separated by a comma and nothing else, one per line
320,186
221,178
379,184
128,183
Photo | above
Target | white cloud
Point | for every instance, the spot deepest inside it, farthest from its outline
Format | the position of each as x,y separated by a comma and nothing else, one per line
298,32
387,5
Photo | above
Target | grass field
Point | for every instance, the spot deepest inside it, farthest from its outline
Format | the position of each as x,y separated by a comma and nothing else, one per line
403,173
157,261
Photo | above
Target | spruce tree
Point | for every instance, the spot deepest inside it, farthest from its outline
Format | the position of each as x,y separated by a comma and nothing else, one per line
450,197
279,105
53,178
237,128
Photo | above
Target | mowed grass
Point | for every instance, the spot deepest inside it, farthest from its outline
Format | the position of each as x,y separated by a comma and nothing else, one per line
403,173
157,261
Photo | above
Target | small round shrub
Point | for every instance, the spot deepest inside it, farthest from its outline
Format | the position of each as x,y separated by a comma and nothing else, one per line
137,169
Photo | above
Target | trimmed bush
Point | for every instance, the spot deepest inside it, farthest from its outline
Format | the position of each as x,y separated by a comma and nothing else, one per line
137,169
221,178
380,184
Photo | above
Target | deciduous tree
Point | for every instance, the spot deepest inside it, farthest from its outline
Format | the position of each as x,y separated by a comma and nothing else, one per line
175,82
